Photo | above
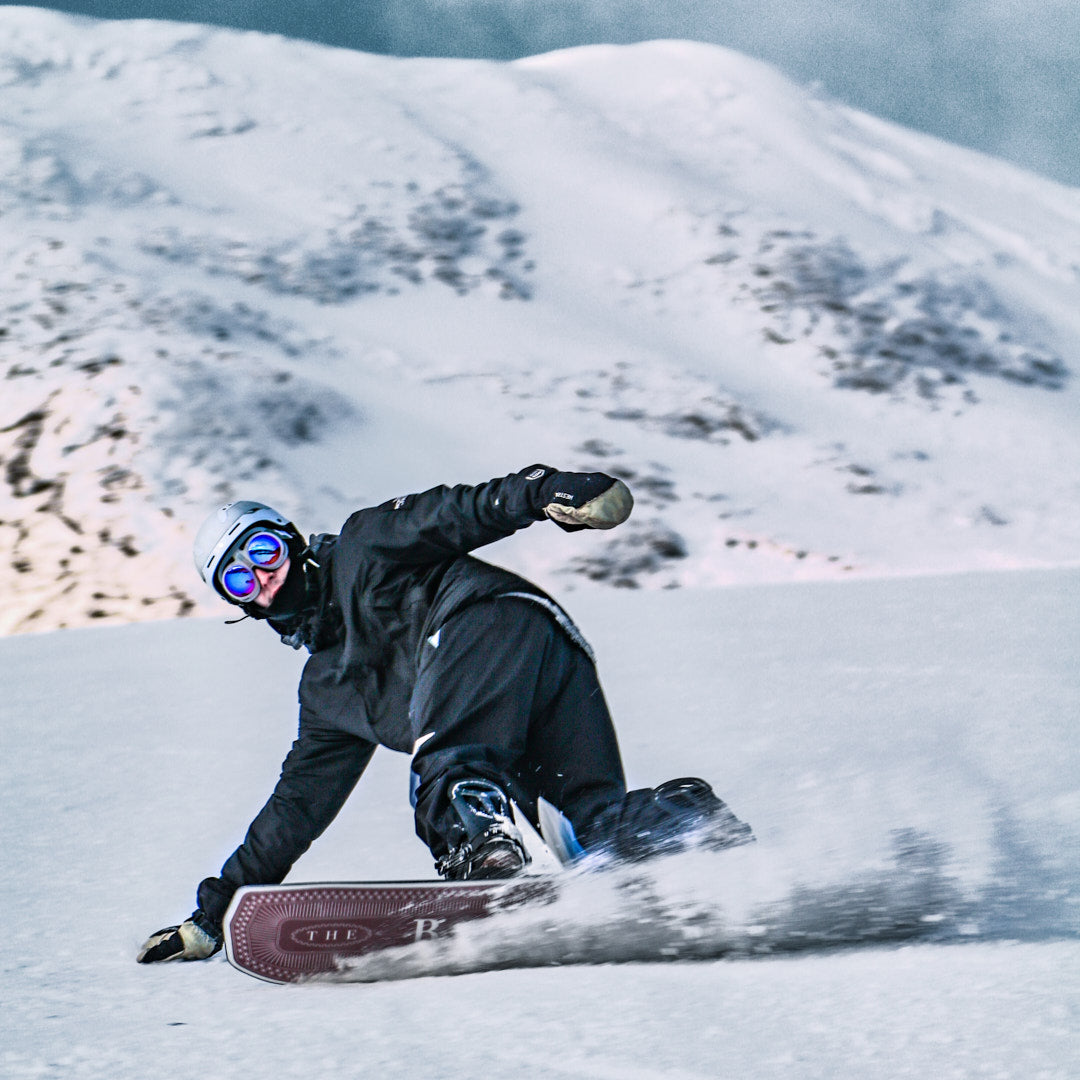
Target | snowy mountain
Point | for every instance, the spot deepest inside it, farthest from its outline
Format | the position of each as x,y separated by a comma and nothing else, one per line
817,345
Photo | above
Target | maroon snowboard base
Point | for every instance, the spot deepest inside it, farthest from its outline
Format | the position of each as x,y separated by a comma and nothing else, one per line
288,933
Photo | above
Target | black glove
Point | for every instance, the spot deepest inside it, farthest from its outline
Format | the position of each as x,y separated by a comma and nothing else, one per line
194,939
579,500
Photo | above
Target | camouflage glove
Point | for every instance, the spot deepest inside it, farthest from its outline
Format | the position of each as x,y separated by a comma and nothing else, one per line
581,500
193,939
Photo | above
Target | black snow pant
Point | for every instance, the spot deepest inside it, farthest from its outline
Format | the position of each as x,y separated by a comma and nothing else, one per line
503,693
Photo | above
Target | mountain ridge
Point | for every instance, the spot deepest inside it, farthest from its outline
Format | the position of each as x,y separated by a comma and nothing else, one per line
816,345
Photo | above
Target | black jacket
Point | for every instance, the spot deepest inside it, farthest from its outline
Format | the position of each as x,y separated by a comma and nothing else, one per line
392,577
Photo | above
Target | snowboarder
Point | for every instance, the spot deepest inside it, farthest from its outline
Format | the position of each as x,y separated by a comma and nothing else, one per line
418,646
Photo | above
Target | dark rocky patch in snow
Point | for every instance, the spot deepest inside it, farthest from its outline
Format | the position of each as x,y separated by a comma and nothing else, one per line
890,329
456,236
640,552
126,413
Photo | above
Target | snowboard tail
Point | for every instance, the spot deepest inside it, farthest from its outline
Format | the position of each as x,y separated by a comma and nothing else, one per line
290,933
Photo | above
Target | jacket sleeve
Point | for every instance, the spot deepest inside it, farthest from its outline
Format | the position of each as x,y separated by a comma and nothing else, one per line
317,776
445,522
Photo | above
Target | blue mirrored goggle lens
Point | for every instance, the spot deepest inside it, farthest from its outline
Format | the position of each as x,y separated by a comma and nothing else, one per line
239,582
266,549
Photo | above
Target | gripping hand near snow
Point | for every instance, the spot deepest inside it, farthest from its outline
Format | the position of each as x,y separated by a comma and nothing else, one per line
191,940
581,500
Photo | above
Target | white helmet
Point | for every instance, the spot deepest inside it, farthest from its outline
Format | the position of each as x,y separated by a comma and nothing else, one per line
225,526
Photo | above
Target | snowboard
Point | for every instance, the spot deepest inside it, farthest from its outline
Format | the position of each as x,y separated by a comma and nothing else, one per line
292,933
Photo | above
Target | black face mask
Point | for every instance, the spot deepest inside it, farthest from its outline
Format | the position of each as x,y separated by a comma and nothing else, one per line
291,598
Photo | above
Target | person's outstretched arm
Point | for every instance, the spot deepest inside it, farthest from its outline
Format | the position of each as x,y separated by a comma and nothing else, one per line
317,776
445,522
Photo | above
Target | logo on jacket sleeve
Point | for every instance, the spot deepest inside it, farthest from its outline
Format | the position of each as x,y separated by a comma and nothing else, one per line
402,502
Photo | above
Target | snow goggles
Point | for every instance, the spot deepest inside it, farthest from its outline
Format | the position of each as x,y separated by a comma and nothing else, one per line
261,549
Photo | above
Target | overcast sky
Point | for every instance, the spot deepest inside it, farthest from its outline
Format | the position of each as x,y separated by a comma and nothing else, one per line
1002,76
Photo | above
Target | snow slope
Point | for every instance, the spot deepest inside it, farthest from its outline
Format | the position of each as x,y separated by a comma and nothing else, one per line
818,345
831,715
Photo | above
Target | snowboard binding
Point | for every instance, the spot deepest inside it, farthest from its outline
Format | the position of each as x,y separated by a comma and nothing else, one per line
491,846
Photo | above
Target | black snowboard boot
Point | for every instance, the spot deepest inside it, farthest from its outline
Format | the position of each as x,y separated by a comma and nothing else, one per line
489,844
705,819
672,817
